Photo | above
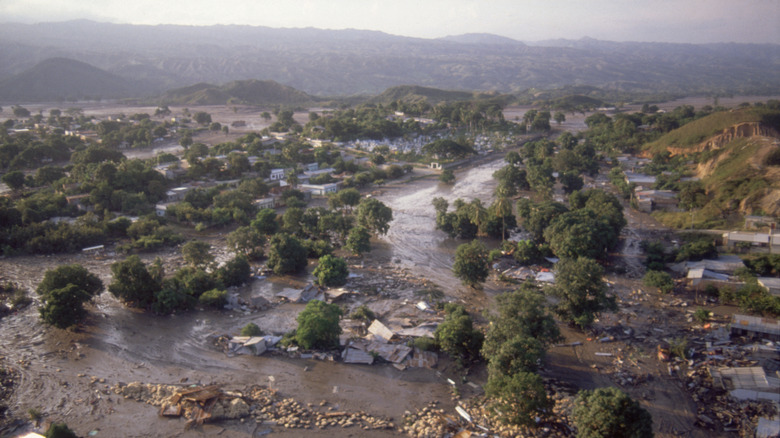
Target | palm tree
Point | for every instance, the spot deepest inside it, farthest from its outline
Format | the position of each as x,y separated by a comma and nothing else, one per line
502,208
477,213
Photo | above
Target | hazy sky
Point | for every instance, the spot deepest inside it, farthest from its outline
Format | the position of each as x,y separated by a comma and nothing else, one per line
694,21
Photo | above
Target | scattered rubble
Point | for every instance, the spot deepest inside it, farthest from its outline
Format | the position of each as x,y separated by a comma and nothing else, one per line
201,404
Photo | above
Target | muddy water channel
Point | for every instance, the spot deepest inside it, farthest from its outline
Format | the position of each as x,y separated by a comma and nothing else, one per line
66,376
413,241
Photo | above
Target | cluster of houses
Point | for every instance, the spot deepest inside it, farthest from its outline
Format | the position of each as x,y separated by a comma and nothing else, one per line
274,200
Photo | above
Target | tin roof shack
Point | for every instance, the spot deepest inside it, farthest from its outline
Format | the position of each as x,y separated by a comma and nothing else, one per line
650,200
771,284
756,327
761,239
308,293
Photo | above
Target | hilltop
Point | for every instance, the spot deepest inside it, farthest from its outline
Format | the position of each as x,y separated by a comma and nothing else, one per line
736,155
416,93
59,79
248,92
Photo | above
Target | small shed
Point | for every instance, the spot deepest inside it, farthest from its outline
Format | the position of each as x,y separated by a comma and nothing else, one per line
756,327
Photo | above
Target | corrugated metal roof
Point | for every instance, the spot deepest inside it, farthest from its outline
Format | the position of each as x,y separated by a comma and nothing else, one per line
395,353
353,355
756,324
739,378
380,330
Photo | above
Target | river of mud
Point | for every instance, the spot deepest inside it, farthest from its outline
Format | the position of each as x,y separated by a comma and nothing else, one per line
61,372
412,239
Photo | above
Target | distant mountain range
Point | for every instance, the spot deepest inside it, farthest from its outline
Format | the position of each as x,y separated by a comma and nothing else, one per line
148,60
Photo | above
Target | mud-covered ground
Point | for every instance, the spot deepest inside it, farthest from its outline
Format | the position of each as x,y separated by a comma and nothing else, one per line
67,376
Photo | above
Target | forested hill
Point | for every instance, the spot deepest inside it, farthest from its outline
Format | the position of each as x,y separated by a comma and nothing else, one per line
350,62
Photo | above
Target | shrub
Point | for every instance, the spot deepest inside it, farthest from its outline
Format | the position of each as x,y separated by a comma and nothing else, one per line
251,329
701,315
213,298
662,280
425,344
363,313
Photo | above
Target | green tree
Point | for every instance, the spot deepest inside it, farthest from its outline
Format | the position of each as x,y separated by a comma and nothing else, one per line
538,216
447,176
59,430
580,233
518,398
133,283
286,254
216,298
658,279
251,329
567,140
457,336
265,222
318,326
331,271
571,182
349,196
246,241
513,158
185,141
610,412
64,307
202,118
374,215
234,272
20,111
14,179
522,319
502,209
197,253
358,240
471,263
581,291
559,117
64,275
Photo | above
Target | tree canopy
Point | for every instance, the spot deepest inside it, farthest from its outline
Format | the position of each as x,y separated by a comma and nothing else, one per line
64,307
64,275
471,263
133,283
374,215
318,326
517,398
581,290
457,336
610,412
331,271
286,254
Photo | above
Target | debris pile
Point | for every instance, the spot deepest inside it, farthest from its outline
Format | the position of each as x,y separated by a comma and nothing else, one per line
473,419
718,408
430,422
201,404
196,403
